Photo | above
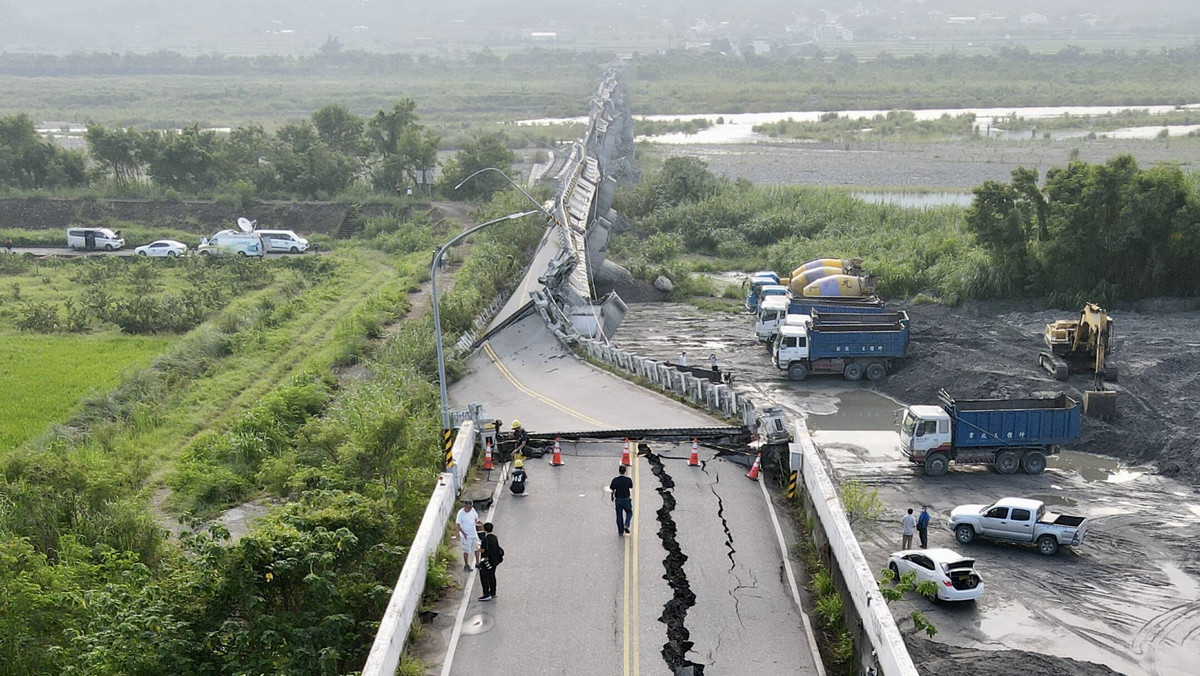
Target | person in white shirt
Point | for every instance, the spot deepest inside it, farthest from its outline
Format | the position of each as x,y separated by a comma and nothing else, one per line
683,358
467,522
909,524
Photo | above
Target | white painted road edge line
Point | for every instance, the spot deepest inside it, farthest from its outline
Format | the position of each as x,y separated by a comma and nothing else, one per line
791,577
466,599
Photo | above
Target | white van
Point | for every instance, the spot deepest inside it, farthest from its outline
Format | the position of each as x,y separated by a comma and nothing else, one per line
283,240
229,242
92,239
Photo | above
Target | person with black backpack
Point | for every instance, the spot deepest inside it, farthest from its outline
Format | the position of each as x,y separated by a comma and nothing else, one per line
493,556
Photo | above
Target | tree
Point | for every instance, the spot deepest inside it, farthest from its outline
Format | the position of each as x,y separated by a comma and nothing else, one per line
340,129
385,128
487,150
28,161
124,151
186,161
405,147
305,166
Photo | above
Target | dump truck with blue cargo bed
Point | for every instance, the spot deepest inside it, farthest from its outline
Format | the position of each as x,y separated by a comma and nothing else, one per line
1009,434
775,311
852,344
755,285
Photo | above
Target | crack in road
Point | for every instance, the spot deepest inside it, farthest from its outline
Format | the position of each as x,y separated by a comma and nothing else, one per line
675,610
724,524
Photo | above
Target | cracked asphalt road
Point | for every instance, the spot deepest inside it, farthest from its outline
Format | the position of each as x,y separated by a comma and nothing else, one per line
562,604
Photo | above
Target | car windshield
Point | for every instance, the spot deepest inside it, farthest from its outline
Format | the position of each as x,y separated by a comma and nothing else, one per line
909,424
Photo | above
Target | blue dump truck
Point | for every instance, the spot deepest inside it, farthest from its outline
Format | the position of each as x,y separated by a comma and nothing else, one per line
1009,434
852,344
757,281
775,311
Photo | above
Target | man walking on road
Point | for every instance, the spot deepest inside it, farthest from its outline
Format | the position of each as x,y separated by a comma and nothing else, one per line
909,524
923,526
493,554
467,523
622,495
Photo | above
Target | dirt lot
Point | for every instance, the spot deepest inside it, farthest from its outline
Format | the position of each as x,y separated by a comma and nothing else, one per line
1129,598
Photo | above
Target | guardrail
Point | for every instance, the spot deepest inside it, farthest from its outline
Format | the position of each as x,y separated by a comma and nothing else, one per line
876,628
406,596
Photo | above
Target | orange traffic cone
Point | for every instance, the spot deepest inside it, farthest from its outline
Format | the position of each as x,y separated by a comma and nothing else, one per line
753,474
487,456
556,460
694,458
625,455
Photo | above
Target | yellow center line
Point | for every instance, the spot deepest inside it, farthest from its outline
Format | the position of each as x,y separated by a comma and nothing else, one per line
545,400
637,652
627,555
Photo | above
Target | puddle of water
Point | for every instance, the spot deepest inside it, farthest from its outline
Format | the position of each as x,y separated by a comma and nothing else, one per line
916,200
858,410
1096,467
1188,587
1057,500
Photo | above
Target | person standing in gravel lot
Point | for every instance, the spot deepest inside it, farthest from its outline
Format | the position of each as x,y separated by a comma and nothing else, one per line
923,526
909,524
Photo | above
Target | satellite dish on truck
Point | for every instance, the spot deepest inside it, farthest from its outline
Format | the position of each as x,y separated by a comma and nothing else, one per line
246,225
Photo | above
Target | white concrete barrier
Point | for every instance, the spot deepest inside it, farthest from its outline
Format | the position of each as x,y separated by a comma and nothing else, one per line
406,597
877,621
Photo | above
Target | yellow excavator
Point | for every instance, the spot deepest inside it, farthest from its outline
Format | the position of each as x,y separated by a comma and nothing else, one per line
1084,345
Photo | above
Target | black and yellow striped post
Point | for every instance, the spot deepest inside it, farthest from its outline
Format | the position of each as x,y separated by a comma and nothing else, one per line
448,437
791,487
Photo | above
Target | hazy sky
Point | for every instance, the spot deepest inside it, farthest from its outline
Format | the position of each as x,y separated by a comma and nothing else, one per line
297,26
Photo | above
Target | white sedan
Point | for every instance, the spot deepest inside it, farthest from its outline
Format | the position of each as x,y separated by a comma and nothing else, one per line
162,247
954,575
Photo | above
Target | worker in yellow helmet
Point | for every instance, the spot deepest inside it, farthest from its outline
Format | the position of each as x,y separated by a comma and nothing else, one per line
520,440
518,478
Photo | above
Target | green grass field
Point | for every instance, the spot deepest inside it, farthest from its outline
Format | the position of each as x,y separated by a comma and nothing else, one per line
44,376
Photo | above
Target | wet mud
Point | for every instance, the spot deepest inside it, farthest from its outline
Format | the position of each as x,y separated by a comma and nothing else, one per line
1129,597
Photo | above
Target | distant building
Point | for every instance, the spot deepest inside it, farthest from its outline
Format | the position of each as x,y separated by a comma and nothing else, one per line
760,47
543,36
832,32
1033,18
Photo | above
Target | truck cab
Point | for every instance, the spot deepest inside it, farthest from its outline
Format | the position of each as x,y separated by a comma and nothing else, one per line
757,281
923,430
773,312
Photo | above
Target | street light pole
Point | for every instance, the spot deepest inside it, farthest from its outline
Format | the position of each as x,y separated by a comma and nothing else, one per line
437,317
518,187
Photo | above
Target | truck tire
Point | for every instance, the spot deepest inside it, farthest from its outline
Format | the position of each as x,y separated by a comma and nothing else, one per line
1034,462
876,372
205,253
964,533
797,371
1047,545
936,464
853,371
1008,462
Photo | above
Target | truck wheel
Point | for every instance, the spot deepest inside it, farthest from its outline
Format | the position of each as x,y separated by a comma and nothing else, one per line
1008,462
876,372
797,371
936,464
1047,545
204,253
1034,462
964,533
853,371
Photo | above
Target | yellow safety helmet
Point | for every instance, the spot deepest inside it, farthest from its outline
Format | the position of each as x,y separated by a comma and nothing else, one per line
516,423
518,463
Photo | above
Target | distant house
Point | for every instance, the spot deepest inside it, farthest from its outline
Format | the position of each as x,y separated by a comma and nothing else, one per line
832,32
1033,18
760,47
543,36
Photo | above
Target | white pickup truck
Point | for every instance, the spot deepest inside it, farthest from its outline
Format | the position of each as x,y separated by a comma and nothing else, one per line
1018,520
